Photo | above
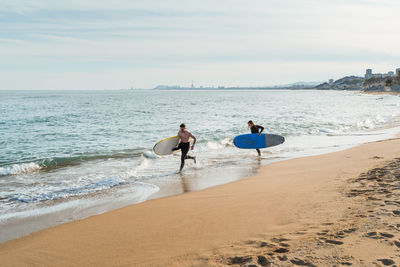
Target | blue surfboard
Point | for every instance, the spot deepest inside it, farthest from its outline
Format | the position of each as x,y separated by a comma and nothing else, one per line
252,141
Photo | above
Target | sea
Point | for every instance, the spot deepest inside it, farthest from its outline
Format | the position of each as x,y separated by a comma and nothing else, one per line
67,155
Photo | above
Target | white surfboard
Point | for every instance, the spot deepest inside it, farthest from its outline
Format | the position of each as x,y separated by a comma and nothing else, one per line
165,146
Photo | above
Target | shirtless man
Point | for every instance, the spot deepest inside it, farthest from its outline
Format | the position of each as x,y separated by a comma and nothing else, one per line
184,144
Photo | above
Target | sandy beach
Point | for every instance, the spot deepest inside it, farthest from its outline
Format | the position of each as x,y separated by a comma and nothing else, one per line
341,208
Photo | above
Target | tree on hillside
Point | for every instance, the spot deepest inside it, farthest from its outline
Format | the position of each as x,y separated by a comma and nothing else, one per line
389,81
370,81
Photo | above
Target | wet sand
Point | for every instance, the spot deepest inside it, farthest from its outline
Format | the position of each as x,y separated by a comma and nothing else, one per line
340,209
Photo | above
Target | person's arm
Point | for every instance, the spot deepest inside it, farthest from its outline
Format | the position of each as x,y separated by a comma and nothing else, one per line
260,128
194,140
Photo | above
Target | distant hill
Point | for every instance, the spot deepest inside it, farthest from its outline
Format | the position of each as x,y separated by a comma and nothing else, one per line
374,84
345,83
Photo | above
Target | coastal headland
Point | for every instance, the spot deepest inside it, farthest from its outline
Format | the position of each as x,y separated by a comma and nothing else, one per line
370,83
341,208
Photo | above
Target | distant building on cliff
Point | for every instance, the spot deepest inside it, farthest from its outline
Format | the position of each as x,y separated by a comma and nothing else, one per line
369,74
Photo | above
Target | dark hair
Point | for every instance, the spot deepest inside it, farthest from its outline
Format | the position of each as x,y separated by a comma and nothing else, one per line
182,125
250,121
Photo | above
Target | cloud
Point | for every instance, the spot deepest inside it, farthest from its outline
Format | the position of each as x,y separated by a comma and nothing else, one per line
59,38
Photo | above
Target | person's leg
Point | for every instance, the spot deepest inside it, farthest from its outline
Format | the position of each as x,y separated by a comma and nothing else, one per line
182,162
178,147
185,150
258,151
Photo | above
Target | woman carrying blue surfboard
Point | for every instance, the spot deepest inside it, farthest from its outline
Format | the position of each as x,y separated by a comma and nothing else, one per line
255,129
256,140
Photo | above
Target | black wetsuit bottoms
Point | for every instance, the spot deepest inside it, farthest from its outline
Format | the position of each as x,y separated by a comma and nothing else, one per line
184,147
255,129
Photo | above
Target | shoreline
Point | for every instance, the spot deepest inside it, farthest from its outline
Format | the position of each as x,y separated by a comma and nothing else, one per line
90,182
227,221
380,93
191,181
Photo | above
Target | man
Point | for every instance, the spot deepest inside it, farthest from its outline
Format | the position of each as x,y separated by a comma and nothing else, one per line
184,144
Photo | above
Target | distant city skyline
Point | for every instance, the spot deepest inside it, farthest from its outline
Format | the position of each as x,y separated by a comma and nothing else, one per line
369,74
92,44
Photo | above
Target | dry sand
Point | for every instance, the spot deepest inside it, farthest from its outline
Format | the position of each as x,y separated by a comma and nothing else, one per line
380,93
339,209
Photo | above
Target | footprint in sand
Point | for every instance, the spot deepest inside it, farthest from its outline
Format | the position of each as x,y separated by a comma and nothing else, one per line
284,245
283,258
334,242
386,235
339,235
381,235
281,250
372,235
263,261
300,262
350,230
265,244
386,262
278,240
240,260
346,263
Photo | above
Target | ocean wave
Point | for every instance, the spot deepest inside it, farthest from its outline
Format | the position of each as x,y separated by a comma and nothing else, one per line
103,184
144,163
218,144
60,162
19,168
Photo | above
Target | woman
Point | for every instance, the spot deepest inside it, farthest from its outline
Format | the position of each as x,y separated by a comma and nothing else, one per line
255,129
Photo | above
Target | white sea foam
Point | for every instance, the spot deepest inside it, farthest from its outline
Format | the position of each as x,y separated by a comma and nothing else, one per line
138,192
19,168
149,154
214,145
65,189
143,164
227,141
43,217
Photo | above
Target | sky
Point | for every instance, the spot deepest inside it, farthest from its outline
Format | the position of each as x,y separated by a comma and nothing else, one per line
98,44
